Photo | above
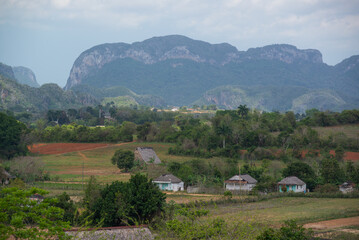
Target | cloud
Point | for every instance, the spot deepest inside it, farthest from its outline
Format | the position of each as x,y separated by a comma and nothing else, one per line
245,23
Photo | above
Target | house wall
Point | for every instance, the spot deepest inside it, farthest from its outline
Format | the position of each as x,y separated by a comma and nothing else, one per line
239,187
167,186
178,186
346,189
293,188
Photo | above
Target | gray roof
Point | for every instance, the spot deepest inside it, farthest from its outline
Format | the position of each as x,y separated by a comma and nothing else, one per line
168,178
148,154
292,180
244,177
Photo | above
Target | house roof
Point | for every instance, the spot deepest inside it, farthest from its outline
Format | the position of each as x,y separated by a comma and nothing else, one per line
243,177
292,180
168,178
148,154
348,184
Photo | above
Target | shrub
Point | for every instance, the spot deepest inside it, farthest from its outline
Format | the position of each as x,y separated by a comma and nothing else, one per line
327,188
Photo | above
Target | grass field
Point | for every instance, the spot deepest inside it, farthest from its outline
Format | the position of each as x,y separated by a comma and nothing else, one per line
351,130
70,167
275,211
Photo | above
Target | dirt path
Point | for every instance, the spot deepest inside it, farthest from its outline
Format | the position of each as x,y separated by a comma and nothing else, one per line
336,223
193,194
83,156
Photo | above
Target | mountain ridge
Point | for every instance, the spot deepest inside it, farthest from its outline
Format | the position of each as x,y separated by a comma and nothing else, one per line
158,49
181,70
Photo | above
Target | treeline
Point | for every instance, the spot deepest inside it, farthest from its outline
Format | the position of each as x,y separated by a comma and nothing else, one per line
315,117
80,133
225,134
229,132
108,114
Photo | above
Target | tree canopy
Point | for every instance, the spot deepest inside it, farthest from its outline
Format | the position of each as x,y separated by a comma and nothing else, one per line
123,159
11,131
21,217
134,202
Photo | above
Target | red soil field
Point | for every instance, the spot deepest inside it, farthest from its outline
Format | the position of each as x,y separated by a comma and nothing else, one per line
348,156
59,148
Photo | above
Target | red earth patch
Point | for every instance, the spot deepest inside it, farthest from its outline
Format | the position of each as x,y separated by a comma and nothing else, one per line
59,148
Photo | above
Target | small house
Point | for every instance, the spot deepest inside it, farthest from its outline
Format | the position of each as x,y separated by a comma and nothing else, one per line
146,155
169,182
292,184
347,187
242,182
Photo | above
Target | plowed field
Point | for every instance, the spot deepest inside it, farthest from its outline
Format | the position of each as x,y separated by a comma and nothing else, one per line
59,148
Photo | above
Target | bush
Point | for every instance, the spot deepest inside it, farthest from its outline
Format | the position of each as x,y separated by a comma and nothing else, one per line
327,188
290,230
123,159
228,194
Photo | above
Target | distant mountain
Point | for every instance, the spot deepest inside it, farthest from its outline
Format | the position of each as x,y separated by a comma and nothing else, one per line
26,76
6,71
182,70
20,74
272,98
19,98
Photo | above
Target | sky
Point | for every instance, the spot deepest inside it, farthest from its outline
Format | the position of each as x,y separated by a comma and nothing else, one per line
48,35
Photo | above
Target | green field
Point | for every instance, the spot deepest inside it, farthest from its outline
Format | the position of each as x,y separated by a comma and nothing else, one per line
351,131
275,211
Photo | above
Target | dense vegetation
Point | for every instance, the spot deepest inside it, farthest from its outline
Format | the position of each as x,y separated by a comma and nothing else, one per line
12,133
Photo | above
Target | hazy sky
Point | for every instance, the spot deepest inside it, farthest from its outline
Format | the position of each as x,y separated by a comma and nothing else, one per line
48,35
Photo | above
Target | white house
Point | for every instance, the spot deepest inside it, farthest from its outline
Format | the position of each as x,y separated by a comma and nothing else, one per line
292,184
169,182
242,182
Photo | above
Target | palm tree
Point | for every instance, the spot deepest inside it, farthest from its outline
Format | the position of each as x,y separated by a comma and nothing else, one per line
243,110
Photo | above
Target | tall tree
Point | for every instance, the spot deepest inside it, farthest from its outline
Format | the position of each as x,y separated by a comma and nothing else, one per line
243,110
331,172
11,141
222,126
123,159
134,202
